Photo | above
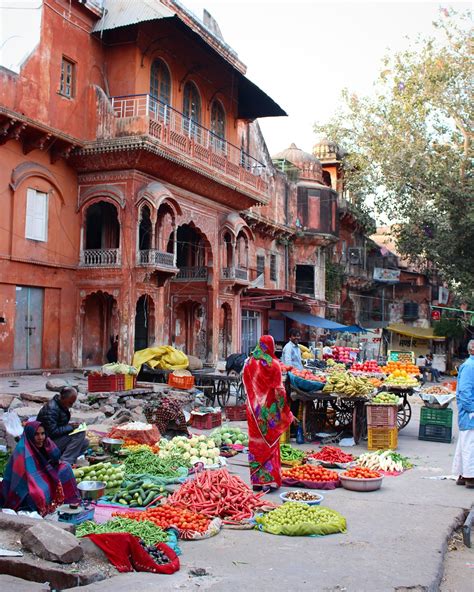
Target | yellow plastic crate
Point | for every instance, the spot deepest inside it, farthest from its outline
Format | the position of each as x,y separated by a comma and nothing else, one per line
382,438
130,381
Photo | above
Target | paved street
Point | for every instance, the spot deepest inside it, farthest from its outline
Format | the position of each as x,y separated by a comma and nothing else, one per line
396,537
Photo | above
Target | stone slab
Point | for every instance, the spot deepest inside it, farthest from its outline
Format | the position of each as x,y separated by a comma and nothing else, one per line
6,400
23,523
37,570
37,396
30,411
87,417
50,543
12,584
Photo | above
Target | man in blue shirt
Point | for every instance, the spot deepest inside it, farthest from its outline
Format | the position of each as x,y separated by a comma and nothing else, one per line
463,463
291,354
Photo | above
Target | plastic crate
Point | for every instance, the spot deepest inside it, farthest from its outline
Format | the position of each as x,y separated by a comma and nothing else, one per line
382,438
236,412
436,417
180,382
435,433
105,383
382,416
207,421
130,382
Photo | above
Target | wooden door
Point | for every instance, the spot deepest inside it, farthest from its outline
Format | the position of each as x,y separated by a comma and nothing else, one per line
28,328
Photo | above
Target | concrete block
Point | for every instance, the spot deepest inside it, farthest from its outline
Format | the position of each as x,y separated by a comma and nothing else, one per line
48,542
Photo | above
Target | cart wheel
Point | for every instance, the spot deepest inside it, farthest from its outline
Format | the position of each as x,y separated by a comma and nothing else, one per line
223,392
240,394
359,422
403,415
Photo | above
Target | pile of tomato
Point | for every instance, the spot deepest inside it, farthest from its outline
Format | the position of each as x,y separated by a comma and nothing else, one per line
168,515
310,473
361,473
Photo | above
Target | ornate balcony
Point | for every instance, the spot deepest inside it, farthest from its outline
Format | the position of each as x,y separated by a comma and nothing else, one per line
235,274
100,258
155,258
141,122
191,274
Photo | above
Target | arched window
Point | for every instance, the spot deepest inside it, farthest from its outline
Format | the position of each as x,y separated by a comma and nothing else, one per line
160,88
192,111
218,126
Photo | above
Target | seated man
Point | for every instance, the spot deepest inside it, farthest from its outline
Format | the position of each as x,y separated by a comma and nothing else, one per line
55,417
435,375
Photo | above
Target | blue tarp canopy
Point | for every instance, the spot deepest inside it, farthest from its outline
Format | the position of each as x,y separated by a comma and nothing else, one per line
314,321
354,329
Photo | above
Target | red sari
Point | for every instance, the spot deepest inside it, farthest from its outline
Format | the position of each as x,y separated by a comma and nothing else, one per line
268,413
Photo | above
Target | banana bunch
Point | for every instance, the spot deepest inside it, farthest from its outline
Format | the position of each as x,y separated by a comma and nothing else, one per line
306,353
348,385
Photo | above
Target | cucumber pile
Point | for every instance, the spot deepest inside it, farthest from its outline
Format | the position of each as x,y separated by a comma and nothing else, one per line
138,494
104,471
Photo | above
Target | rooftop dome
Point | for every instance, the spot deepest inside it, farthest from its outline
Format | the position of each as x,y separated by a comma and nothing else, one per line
309,166
328,150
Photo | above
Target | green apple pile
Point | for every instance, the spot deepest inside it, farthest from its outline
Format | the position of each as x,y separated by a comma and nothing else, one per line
226,436
385,398
113,476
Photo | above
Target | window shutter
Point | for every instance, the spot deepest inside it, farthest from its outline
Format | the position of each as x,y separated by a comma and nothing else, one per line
36,215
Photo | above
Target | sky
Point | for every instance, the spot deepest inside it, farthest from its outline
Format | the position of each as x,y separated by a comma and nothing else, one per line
304,52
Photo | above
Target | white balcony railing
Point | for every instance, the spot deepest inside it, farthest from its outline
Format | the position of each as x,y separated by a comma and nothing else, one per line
183,134
155,258
234,273
100,258
191,274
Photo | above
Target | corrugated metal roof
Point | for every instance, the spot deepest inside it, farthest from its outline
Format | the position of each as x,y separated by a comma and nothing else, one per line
119,13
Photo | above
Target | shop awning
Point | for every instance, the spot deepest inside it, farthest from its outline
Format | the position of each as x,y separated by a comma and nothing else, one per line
314,321
354,329
415,332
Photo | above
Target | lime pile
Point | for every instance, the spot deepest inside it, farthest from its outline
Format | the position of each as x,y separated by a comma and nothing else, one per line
295,519
112,476
385,398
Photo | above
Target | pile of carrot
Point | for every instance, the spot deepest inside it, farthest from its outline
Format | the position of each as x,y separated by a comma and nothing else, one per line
218,493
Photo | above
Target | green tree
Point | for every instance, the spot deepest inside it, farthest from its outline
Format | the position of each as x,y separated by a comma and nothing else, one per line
409,149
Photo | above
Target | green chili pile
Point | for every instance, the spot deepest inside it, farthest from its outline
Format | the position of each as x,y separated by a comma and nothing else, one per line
144,529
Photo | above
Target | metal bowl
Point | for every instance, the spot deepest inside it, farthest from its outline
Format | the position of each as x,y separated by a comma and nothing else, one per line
92,490
318,498
353,484
112,444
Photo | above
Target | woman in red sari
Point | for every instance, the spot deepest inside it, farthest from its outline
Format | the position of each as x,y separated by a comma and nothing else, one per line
268,414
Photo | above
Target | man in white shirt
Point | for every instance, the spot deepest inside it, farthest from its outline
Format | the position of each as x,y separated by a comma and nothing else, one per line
291,354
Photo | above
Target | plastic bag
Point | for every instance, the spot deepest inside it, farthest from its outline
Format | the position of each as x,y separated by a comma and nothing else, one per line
337,524
12,424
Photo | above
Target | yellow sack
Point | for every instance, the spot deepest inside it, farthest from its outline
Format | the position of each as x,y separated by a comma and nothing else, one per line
164,357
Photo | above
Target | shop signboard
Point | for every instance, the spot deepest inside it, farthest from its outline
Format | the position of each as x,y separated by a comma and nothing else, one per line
382,274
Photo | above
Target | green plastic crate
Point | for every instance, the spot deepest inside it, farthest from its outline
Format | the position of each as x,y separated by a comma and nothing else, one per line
436,417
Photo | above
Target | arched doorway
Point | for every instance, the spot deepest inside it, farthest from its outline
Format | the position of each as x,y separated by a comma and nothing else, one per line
99,327
190,328
144,322
225,331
